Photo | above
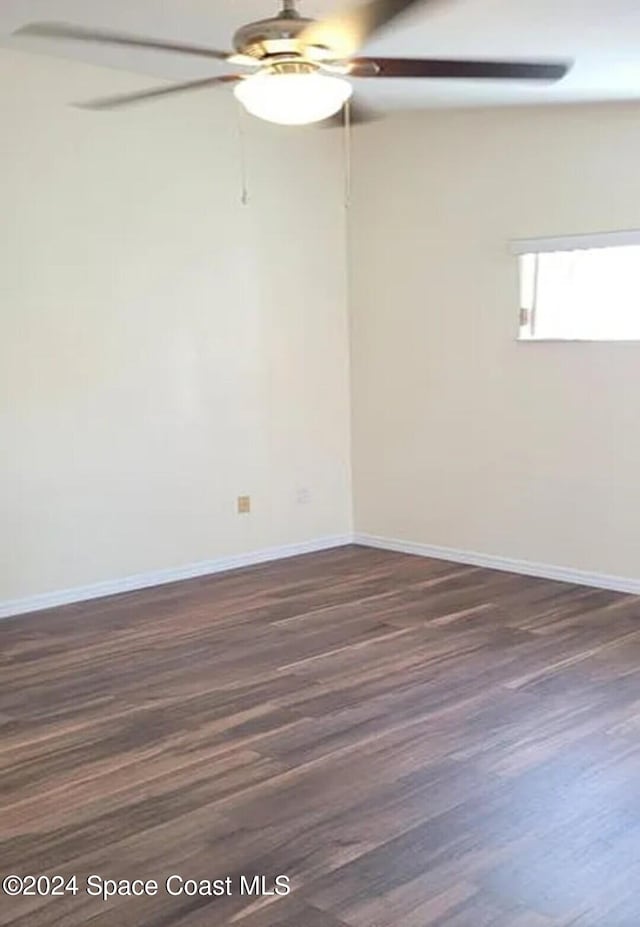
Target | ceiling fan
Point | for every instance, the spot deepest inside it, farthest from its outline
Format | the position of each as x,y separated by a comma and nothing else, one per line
296,69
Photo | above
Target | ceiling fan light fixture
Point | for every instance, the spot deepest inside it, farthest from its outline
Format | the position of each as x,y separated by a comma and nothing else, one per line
293,99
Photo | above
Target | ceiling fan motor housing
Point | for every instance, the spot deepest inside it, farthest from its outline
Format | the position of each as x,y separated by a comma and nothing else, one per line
274,36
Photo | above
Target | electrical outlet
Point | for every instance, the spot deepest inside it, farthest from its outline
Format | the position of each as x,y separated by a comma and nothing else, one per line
303,496
244,505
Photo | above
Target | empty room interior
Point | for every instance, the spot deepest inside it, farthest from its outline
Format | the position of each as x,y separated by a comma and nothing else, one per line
320,456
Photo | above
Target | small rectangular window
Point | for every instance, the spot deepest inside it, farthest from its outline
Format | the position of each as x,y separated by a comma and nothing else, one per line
584,288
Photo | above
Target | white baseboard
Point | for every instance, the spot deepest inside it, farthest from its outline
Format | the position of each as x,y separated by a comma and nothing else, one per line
159,577
526,567
220,564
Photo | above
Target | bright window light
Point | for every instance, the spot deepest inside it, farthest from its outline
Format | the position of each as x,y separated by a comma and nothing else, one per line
580,293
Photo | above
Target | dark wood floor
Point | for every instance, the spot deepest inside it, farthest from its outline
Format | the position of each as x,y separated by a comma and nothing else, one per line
413,743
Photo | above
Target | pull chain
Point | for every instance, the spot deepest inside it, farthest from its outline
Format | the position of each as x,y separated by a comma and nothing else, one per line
347,154
244,184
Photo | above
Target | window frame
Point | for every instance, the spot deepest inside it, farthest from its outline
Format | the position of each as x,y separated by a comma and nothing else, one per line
534,247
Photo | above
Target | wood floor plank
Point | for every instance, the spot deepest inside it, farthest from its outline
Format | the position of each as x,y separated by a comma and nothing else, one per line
411,742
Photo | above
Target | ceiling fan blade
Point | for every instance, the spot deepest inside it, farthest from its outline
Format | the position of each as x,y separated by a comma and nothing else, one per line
105,37
445,68
130,99
345,32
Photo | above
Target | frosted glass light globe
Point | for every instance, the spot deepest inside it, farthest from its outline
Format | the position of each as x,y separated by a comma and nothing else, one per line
293,99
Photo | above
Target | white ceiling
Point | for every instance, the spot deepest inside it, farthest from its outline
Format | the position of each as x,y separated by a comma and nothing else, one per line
603,36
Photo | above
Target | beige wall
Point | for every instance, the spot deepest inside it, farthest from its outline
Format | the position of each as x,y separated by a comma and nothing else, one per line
162,348
462,437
